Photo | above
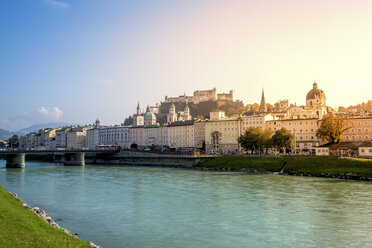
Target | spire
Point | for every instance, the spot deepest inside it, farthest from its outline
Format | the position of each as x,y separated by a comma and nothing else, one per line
138,109
263,108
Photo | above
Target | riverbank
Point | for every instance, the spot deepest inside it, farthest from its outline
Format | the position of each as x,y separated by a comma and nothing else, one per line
343,168
20,227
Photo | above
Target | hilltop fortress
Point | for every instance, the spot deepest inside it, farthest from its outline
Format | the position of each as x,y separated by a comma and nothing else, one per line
202,96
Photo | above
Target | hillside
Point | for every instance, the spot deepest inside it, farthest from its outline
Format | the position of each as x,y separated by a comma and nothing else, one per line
37,127
4,134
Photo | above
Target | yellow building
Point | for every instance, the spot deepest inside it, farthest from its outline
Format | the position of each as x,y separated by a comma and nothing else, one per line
255,121
304,131
361,129
222,133
199,134
75,138
181,134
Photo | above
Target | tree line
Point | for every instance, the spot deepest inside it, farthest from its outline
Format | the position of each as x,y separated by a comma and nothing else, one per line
255,139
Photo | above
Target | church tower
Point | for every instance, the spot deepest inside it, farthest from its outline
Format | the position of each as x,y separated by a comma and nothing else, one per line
172,116
263,108
138,118
186,113
97,123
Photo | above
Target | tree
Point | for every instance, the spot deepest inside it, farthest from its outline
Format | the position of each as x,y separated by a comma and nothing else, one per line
332,128
276,107
269,107
283,139
251,139
266,139
128,121
255,108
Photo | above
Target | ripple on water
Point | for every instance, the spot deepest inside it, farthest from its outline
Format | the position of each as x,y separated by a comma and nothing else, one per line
117,206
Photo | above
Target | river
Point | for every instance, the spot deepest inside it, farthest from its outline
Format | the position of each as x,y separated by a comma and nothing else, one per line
120,206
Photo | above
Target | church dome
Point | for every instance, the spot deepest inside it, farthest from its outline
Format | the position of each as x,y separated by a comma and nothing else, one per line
315,93
149,116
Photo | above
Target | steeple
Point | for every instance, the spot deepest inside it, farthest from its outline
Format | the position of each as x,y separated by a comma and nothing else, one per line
263,108
138,109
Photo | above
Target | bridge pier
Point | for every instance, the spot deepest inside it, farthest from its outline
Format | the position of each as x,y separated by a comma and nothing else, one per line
74,159
15,160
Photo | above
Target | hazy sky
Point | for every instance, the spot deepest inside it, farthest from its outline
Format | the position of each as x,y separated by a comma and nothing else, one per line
74,61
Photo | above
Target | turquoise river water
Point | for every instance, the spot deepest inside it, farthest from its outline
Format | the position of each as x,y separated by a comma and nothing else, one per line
120,206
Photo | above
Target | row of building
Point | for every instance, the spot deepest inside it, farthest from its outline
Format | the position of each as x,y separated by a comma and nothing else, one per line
218,133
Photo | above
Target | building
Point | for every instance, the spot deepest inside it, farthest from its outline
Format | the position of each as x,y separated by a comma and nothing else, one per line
347,149
181,134
150,134
75,138
92,138
61,137
116,135
304,131
138,118
202,96
172,116
162,140
222,133
136,136
30,141
361,129
199,134
22,142
248,121
282,106
315,106
149,118
185,115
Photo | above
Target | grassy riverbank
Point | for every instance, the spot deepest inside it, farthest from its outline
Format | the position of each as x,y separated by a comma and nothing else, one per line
317,166
19,227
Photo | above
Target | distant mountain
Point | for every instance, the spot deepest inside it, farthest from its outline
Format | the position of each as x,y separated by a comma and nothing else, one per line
4,134
37,127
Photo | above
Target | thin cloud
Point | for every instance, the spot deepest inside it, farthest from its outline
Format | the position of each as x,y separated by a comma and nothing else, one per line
53,114
56,3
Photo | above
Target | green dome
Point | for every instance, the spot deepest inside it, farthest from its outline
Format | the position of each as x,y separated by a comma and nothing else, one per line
149,116
172,106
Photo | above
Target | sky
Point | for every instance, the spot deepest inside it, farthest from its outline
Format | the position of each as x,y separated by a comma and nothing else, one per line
74,61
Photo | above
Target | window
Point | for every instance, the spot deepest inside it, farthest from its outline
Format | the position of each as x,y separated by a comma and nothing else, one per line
362,150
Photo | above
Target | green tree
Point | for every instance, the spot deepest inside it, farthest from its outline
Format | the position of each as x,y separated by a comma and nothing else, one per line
251,139
255,108
332,128
128,121
266,139
276,107
269,107
283,138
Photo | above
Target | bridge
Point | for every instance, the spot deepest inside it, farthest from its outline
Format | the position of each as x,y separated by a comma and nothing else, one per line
78,157
16,158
